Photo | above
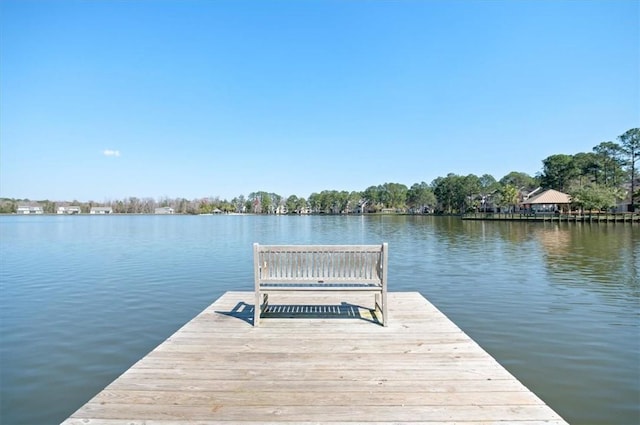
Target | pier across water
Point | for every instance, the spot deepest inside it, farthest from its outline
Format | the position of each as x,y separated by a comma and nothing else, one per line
317,359
630,218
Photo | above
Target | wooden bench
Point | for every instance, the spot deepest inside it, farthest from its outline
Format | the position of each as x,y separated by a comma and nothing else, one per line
345,268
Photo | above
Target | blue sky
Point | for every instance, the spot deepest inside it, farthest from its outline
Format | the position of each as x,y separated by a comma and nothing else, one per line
103,100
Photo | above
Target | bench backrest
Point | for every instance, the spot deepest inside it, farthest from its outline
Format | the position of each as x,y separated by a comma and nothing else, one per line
290,264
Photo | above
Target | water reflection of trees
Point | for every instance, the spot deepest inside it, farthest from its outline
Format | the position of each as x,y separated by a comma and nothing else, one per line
454,229
509,231
576,254
600,253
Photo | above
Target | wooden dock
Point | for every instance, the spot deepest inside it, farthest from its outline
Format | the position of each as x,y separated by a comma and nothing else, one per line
317,359
631,218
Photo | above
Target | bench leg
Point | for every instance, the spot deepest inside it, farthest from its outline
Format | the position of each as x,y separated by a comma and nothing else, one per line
256,310
384,308
261,304
381,306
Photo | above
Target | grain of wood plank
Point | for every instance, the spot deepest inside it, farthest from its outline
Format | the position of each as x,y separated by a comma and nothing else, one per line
287,413
72,421
338,375
308,346
152,381
336,367
337,397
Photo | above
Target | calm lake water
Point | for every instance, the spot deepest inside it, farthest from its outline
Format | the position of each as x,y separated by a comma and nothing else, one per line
83,297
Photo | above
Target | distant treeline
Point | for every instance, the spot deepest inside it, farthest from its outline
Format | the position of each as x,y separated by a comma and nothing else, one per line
596,180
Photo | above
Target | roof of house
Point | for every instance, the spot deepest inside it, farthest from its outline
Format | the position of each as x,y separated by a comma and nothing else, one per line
549,197
532,193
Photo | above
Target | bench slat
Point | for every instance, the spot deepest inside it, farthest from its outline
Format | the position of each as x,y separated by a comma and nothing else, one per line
319,265
334,288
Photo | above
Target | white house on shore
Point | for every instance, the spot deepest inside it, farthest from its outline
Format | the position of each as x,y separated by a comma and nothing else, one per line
101,210
29,209
69,210
164,210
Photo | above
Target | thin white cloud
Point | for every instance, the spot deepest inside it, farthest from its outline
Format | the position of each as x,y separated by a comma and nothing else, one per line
111,152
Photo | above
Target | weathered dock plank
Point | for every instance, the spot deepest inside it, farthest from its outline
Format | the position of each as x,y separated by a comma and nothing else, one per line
317,359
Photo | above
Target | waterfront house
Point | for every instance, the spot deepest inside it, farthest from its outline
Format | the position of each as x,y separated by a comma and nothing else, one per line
73,209
164,210
548,201
361,208
624,205
29,209
101,210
